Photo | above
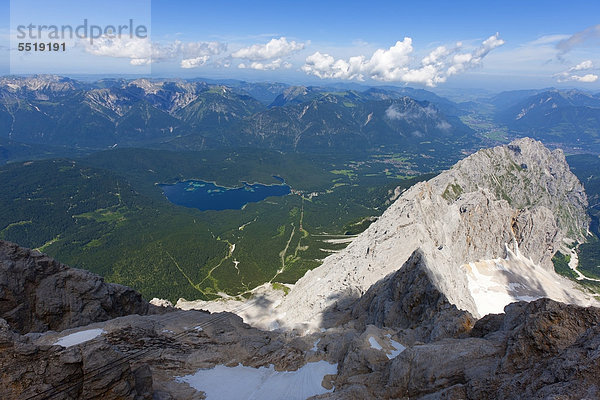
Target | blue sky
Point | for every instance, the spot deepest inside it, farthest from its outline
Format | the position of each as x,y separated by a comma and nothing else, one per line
492,45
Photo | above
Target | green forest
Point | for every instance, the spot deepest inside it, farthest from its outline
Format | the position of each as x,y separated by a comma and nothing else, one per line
106,213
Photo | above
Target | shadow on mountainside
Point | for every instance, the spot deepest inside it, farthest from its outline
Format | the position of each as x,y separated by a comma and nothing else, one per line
404,300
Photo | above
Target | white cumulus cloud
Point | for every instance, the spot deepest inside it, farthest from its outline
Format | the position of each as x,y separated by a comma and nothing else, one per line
275,48
136,49
570,76
325,66
444,125
582,66
395,64
140,61
587,78
393,112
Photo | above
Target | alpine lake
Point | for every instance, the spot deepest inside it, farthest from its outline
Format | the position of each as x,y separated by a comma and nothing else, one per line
209,196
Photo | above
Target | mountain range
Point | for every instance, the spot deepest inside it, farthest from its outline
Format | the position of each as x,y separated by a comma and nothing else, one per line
198,114
194,115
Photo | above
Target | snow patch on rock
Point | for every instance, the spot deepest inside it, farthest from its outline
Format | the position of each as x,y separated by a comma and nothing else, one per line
393,348
263,383
79,337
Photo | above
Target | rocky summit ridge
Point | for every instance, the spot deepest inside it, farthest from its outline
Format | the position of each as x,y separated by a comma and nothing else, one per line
487,230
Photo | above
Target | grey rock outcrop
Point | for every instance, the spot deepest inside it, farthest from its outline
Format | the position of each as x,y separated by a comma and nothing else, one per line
40,371
409,301
138,357
38,293
538,350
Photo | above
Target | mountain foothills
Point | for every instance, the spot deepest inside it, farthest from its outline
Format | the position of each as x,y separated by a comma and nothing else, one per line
450,294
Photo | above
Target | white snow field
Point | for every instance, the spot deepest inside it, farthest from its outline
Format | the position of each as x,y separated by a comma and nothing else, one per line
498,282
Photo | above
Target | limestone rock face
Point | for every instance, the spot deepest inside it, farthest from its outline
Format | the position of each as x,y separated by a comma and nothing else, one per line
520,194
139,357
38,293
536,350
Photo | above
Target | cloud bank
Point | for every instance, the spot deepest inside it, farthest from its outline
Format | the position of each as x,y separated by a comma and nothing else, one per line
393,64
141,51
268,66
393,112
587,64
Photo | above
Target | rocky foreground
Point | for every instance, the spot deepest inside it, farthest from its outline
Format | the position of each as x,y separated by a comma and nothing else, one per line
543,349
425,304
